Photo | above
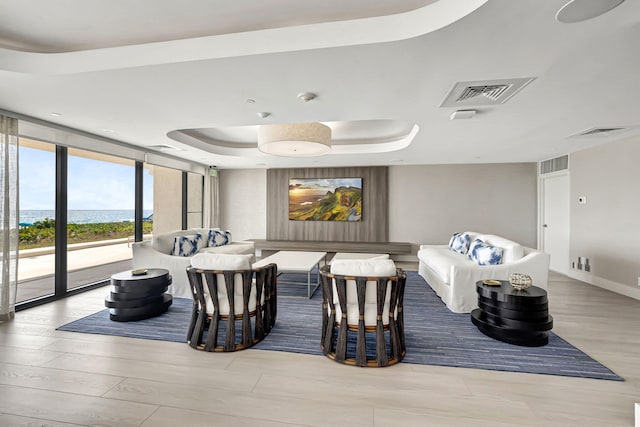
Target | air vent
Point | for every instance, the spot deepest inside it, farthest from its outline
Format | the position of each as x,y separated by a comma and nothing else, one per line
485,92
492,92
554,165
602,132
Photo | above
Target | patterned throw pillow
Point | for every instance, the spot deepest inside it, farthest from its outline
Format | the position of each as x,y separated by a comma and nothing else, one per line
486,255
186,245
459,242
218,238
473,245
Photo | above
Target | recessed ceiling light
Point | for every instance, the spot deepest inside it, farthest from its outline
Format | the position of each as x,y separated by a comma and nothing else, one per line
263,114
250,101
105,130
307,96
581,10
56,114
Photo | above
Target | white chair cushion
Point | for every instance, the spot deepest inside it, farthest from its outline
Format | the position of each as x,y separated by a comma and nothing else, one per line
209,261
364,267
367,268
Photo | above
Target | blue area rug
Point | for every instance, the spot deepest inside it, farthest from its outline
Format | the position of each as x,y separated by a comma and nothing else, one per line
434,335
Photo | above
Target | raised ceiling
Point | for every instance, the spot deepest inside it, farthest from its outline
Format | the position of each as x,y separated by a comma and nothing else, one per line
168,73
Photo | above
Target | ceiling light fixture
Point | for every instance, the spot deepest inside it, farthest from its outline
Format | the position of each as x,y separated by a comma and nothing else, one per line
263,114
56,114
307,96
295,139
581,10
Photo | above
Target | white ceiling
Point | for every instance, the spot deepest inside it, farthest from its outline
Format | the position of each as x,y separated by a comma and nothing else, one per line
150,69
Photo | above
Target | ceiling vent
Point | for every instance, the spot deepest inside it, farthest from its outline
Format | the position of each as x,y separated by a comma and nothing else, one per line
554,165
600,132
484,92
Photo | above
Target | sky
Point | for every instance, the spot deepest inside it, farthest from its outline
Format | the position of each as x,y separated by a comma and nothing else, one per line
93,184
329,184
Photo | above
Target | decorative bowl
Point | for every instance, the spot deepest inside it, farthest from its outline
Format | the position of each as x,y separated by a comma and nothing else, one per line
520,281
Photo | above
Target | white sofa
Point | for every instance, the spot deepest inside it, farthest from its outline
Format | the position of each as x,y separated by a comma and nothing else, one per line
453,275
157,253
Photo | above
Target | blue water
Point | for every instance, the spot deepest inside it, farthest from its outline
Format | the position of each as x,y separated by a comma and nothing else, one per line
83,216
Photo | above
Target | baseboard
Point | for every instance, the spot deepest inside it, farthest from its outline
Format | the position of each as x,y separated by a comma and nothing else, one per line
609,285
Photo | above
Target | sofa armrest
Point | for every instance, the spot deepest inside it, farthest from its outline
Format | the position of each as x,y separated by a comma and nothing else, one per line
534,263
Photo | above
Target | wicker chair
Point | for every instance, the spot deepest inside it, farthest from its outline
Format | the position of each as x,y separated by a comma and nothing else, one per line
363,308
246,299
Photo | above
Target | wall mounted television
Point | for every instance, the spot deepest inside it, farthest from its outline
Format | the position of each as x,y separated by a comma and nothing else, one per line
325,199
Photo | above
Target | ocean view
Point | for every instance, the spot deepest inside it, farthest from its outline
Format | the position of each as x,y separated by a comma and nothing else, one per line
83,216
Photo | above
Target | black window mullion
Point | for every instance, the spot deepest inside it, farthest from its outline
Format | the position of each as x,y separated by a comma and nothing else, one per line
61,221
138,202
184,200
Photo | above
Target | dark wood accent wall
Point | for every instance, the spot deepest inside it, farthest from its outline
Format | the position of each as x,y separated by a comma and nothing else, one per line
374,226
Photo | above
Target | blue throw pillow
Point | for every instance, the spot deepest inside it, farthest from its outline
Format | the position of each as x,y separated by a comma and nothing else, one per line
460,242
186,245
218,238
484,254
473,245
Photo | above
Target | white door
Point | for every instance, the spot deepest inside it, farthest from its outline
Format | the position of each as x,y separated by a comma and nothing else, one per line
555,221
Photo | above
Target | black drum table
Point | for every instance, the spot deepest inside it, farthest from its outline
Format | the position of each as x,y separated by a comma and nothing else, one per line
513,316
138,296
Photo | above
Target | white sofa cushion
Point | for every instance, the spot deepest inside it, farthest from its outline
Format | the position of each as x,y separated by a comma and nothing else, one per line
512,251
232,248
441,258
367,268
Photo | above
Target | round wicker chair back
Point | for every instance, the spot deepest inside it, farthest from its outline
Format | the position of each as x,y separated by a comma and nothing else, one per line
218,316
345,340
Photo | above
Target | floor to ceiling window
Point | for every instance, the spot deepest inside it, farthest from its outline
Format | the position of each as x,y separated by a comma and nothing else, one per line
37,193
81,210
100,216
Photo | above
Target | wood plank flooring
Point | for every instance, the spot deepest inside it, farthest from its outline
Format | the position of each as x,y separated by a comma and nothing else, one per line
55,378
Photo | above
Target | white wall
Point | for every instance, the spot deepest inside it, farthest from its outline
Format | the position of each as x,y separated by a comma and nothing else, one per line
429,203
243,203
426,203
607,228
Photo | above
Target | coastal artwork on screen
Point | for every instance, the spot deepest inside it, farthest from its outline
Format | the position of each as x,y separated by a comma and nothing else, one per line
325,199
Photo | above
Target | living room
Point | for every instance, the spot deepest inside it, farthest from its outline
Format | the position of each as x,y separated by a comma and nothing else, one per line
192,102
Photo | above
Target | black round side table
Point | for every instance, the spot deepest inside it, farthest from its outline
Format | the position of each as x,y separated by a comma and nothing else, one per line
137,297
513,316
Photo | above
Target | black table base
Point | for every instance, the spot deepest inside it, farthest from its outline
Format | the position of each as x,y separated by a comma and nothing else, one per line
138,297
513,316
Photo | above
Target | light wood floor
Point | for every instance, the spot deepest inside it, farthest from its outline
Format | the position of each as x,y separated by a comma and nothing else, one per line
57,378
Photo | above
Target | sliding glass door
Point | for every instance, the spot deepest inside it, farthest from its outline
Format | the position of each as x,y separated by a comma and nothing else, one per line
100,216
